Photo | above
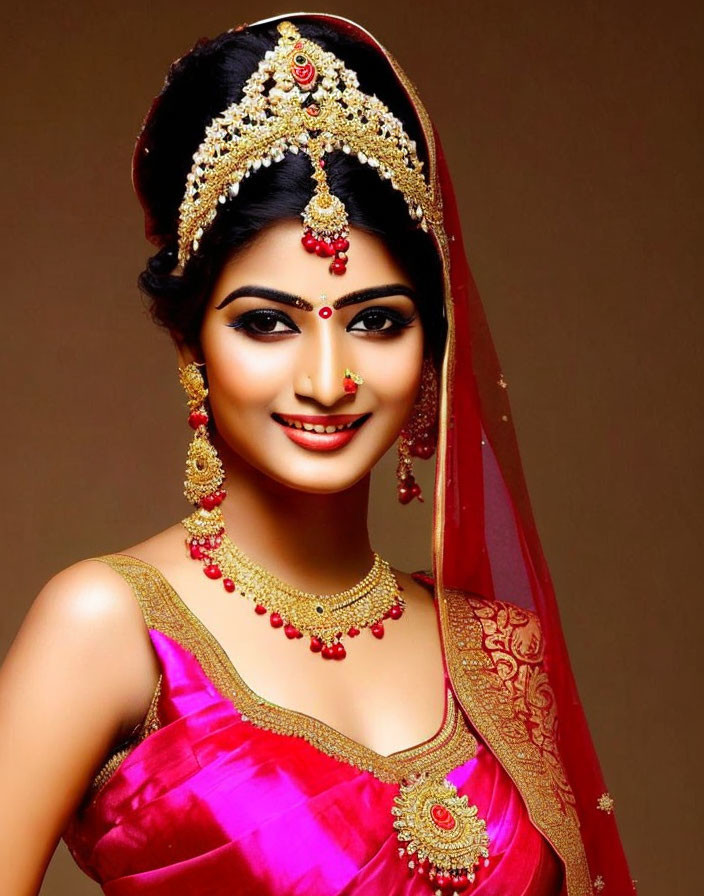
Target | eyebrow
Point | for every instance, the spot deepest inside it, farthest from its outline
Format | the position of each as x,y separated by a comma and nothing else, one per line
287,298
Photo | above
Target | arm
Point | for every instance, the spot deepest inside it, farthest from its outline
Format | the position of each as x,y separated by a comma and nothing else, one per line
77,679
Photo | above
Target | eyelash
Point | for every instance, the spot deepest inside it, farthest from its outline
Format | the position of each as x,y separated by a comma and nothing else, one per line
246,320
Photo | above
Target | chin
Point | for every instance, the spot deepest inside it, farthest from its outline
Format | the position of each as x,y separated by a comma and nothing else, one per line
319,485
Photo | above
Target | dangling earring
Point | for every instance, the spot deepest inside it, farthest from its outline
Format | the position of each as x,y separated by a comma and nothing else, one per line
419,435
204,470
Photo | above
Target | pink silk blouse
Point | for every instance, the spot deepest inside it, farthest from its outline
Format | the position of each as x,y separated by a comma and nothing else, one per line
222,792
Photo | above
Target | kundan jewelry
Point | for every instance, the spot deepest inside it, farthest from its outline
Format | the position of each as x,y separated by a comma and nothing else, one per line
418,437
445,837
324,618
304,99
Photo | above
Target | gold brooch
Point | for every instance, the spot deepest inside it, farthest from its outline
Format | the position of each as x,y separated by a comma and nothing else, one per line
445,837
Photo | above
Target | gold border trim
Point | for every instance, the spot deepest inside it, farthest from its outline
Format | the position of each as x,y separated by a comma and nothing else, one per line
165,611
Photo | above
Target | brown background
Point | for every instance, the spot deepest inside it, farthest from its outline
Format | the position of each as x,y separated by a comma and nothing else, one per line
573,131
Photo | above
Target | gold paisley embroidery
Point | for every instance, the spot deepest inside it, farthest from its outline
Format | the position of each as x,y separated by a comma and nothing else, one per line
164,611
495,654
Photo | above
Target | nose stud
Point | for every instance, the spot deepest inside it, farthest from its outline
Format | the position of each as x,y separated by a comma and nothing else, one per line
351,381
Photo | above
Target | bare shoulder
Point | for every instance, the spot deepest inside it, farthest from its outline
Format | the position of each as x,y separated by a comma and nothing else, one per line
87,620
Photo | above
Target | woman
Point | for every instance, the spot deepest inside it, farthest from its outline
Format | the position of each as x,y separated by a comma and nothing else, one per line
222,756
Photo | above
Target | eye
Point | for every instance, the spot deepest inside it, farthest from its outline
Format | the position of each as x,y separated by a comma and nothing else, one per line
264,322
379,320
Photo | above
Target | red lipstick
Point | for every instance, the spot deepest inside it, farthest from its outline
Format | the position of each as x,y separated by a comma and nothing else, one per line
321,441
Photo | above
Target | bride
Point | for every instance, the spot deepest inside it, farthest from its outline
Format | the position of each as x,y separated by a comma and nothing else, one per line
253,700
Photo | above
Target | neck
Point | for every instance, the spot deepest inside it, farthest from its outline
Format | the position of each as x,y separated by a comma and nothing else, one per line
317,542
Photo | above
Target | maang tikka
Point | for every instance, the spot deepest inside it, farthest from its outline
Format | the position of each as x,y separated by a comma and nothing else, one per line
302,99
419,436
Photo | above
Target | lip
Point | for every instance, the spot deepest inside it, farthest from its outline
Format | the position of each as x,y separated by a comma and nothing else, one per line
322,441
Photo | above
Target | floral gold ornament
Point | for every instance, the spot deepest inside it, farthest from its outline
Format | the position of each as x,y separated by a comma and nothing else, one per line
204,470
605,803
351,381
302,99
444,836
418,437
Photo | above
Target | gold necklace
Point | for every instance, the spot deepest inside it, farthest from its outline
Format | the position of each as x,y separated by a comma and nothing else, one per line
325,618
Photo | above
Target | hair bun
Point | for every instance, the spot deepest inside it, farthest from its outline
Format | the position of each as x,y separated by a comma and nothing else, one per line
164,261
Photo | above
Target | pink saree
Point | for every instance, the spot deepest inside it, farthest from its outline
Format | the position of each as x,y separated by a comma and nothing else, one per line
214,797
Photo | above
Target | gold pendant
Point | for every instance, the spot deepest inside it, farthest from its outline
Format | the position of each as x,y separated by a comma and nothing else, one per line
444,836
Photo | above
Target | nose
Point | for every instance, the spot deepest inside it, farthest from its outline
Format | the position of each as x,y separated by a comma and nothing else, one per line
321,366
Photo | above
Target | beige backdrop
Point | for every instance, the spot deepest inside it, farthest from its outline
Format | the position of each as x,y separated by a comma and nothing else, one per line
573,131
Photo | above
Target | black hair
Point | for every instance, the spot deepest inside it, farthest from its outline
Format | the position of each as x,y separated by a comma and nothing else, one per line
198,88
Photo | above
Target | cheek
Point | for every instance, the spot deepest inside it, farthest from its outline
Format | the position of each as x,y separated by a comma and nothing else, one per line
243,372
394,373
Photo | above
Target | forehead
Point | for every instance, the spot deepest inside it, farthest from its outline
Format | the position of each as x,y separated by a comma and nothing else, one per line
277,258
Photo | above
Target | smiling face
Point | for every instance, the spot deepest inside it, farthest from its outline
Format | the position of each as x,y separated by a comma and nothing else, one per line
279,333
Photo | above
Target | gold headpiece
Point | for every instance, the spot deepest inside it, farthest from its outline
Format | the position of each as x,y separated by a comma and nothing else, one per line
303,99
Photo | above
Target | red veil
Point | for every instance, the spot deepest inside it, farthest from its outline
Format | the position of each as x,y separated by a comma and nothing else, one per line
511,669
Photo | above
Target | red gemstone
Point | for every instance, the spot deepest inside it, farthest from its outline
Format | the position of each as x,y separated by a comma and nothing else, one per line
260,609
324,249
341,245
378,630
349,385
291,631
404,495
338,267
276,620
353,632
340,652
309,242
316,645
212,571
229,585
328,652
396,612
442,817
196,419
196,552
208,502
441,880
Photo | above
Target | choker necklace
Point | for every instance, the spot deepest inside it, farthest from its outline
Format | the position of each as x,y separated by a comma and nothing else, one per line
325,618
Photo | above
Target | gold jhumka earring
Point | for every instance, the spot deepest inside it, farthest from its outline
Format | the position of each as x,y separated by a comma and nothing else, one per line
419,436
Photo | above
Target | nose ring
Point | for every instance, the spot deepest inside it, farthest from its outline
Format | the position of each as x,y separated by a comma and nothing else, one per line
351,380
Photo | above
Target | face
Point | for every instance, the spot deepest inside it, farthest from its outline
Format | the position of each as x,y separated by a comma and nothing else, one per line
276,360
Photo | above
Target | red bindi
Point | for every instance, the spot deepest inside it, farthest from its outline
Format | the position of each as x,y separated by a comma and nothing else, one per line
325,311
